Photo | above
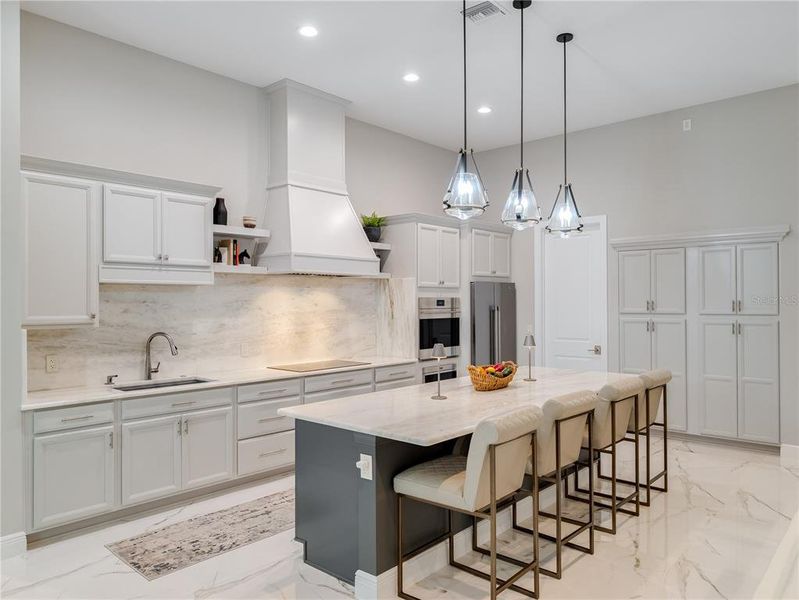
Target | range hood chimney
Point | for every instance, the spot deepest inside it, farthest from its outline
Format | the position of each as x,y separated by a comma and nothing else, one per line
314,227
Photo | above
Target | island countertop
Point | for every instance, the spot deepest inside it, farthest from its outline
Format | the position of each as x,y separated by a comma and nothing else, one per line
408,414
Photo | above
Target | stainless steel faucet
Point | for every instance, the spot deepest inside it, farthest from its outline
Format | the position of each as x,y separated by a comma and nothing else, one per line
148,366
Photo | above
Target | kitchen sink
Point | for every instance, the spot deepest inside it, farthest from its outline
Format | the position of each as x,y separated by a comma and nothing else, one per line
161,383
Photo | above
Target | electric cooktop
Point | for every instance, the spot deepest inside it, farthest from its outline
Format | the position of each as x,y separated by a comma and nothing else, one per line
320,365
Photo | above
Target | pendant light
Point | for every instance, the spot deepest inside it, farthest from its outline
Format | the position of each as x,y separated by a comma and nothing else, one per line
466,196
521,208
564,218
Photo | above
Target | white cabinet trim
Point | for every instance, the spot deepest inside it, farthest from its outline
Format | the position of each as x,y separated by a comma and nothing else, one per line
775,233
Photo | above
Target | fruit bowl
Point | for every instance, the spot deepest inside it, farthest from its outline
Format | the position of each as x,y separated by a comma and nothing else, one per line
486,378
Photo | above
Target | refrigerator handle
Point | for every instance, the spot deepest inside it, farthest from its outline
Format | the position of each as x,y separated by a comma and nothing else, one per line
498,334
492,321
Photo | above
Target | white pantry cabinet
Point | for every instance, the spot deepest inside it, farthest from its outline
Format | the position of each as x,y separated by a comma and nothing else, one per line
73,475
61,256
652,281
490,252
437,256
739,279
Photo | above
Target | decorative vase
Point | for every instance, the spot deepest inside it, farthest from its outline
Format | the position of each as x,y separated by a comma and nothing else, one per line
220,212
372,233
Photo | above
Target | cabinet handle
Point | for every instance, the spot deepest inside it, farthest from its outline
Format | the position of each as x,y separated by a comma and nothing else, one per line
111,439
166,256
739,328
653,325
180,427
647,306
187,403
733,328
647,325
265,454
740,306
83,418
337,381
653,305
268,419
160,256
92,316
397,373
268,392
733,306
185,426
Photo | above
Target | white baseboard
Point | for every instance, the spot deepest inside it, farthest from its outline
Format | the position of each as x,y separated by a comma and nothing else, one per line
13,544
789,455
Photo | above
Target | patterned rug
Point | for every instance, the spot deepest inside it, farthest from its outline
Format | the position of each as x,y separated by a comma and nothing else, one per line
163,551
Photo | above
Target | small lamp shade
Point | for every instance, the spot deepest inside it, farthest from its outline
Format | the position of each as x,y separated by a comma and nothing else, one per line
438,351
529,341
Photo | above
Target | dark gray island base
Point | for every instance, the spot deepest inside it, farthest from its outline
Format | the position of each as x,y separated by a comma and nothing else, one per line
347,523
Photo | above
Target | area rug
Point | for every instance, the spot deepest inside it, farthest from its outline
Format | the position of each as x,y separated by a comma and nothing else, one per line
166,550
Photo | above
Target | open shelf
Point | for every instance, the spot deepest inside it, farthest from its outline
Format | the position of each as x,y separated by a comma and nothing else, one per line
380,246
231,231
240,269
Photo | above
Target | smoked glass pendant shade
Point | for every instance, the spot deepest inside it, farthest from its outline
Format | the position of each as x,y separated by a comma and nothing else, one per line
521,208
466,196
565,217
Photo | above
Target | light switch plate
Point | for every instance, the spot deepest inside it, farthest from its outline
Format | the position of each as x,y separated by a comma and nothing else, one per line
365,466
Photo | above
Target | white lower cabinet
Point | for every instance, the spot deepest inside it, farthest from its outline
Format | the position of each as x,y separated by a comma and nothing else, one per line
73,475
207,447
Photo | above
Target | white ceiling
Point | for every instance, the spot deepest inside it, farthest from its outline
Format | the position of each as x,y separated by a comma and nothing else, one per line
628,59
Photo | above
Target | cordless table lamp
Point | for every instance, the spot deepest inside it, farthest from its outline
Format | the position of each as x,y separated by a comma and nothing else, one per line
529,343
438,354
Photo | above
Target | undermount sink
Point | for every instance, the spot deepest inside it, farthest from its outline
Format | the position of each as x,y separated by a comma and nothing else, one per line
161,383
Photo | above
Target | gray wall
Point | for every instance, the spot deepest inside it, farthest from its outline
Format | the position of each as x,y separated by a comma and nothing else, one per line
11,349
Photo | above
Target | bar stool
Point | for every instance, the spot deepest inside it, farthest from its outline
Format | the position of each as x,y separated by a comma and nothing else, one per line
654,383
559,438
492,472
617,401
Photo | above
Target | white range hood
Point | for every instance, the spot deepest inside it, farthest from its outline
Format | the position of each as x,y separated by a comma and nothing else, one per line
314,227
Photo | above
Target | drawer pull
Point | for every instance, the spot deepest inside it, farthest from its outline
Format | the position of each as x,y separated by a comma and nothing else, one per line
397,373
338,381
83,418
273,452
183,403
268,392
268,419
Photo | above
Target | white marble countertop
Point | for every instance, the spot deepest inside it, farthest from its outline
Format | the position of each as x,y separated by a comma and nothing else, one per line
408,414
89,395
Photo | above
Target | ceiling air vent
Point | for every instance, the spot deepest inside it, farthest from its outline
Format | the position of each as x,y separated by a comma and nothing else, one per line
482,11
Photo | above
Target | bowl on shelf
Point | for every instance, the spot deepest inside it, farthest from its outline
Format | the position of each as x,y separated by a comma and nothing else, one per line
486,378
248,222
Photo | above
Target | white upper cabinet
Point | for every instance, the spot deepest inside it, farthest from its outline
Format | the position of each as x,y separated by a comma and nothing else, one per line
437,256
490,253
741,279
60,250
634,288
131,225
500,254
652,281
186,229
449,253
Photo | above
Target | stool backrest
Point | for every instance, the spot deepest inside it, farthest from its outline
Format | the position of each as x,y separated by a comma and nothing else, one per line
560,409
653,381
629,389
512,430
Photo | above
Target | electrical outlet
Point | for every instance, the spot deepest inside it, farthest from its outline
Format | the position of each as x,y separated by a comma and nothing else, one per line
365,466
686,125
51,363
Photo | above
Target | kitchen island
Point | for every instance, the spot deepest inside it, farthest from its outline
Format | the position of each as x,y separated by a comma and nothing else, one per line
345,515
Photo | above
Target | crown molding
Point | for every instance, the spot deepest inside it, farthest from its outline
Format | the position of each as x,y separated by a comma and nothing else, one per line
771,233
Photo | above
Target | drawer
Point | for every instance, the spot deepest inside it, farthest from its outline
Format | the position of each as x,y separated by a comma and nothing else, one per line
396,372
337,393
72,417
258,418
269,390
397,383
322,383
266,452
172,403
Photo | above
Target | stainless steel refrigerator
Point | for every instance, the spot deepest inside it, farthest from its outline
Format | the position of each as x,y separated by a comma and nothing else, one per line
493,322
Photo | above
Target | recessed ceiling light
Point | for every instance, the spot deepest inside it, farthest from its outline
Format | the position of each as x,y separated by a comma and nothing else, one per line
484,110
410,77
308,31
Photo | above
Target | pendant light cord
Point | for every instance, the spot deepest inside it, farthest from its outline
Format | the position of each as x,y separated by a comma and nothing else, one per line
565,162
521,92
464,77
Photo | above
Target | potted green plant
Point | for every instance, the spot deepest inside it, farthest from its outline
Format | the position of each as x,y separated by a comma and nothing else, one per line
371,226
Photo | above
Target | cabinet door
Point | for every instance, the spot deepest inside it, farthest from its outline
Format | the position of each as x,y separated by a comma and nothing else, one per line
449,256
634,288
635,345
717,293
758,279
500,254
150,458
427,256
73,475
131,225
186,230
61,250
207,447
668,352
758,381
718,377
668,281
481,253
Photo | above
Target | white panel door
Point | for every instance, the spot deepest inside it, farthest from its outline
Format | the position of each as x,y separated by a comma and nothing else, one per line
718,376
717,287
450,257
150,458
73,475
758,380
61,250
481,253
669,352
131,225
668,281
186,230
634,287
427,256
207,447
635,345
758,279
500,254
575,299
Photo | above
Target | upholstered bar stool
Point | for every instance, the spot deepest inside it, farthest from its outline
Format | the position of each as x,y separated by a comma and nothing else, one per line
491,473
617,402
655,384
558,441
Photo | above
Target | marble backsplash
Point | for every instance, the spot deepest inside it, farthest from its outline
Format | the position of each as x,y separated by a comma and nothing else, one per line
240,322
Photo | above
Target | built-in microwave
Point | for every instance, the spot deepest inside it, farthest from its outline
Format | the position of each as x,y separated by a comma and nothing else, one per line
439,323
